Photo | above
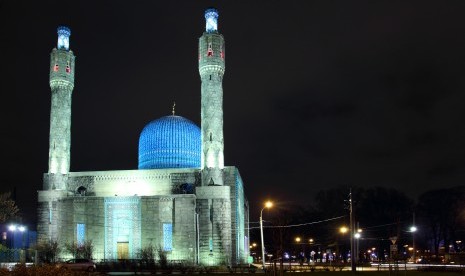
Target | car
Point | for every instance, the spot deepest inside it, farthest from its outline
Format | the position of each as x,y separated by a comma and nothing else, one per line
78,264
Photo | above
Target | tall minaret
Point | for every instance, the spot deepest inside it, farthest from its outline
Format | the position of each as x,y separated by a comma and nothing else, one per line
211,69
61,84
55,181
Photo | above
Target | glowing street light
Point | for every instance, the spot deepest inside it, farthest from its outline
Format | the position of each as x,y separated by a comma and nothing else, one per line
18,228
297,239
268,204
343,229
413,229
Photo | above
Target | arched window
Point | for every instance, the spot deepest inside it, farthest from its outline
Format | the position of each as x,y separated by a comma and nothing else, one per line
81,191
210,50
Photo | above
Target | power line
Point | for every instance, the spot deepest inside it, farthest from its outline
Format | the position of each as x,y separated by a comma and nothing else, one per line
301,224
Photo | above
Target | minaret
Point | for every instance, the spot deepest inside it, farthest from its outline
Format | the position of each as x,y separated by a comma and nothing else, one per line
61,84
211,69
213,197
55,181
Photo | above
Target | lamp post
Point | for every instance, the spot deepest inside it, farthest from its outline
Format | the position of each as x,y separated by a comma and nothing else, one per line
340,250
413,229
268,204
357,237
17,228
14,228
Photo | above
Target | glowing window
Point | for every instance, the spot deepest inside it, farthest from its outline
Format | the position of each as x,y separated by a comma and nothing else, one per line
56,67
167,236
210,50
80,233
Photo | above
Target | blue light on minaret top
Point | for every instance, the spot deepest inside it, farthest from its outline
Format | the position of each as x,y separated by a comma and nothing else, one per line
211,16
63,38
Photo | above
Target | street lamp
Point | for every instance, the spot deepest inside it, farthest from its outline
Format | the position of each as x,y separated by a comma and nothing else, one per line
268,204
17,228
413,229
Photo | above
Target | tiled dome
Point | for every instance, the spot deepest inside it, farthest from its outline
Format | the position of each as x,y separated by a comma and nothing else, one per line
170,142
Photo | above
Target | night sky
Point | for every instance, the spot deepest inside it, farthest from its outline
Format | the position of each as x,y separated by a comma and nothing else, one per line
317,94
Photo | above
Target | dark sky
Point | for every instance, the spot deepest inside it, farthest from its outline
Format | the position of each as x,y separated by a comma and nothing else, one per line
317,94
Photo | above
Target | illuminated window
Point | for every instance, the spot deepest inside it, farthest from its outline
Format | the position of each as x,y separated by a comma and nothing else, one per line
80,233
210,50
68,69
56,67
167,236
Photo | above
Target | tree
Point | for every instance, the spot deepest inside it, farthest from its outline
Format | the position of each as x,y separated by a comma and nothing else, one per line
84,250
440,213
8,208
378,208
162,257
48,251
147,256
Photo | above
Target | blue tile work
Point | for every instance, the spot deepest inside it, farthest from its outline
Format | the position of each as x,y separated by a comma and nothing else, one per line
170,142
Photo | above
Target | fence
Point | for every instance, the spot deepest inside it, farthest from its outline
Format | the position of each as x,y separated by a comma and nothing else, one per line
18,255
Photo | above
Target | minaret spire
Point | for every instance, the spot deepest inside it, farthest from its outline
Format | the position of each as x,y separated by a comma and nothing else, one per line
62,85
213,195
55,184
174,105
211,69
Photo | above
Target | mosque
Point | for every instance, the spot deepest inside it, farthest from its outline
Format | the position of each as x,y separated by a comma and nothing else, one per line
181,199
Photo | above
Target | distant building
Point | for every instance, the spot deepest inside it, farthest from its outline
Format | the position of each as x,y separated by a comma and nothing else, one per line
181,199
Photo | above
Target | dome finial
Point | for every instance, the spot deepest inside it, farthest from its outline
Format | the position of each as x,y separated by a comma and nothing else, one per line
174,104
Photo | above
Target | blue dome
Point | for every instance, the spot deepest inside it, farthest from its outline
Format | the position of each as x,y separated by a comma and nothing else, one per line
170,142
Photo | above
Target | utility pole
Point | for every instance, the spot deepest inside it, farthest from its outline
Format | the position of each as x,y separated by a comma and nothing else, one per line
352,232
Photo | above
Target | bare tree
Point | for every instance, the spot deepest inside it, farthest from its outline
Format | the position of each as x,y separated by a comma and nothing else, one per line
8,208
48,251
83,250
